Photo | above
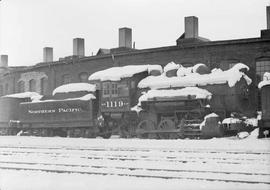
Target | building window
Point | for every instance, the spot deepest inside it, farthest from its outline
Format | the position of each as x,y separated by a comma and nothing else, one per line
66,79
6,88
21,86
261,68
1,90
114,89
43,85
32,85
106,89
83,77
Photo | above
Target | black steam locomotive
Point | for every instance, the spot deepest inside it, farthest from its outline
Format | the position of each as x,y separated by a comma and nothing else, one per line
144,101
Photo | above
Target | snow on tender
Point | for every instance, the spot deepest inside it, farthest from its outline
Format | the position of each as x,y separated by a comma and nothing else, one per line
265,81
188,91
117,73
31,95
230,76
86,97
75,87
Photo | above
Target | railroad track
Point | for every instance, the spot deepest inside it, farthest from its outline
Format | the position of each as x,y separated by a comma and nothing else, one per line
155,163
139,172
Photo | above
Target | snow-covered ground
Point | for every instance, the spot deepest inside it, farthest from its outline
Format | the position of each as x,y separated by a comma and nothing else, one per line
69,163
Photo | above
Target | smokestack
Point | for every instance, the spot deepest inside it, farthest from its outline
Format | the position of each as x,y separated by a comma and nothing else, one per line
191,27
4,61
78,47
48,54
125,37
268,17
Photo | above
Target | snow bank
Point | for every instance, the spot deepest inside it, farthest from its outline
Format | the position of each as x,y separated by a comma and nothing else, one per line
117,73
86,97
188,91
231,76
75,87
31,95
265,81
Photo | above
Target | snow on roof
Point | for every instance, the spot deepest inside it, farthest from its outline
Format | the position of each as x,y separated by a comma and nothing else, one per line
230,76
188,91
265,81
117,73
31,95
83,98
171,66
75,87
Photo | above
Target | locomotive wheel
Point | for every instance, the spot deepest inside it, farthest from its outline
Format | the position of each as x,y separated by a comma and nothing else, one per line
146,125
167,124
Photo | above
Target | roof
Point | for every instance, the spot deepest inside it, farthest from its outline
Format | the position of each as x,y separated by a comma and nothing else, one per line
118,73
75,87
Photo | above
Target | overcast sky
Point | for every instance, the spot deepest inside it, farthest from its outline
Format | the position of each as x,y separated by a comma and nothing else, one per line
26,26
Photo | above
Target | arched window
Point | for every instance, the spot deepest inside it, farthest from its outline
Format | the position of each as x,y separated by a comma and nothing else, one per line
262,67
66,78
83,77
1,90
21,86
32,85
43,85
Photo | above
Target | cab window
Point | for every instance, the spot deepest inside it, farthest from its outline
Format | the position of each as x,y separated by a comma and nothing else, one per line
114,89
106,89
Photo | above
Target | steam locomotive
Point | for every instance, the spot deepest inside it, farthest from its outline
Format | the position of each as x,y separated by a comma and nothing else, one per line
145,101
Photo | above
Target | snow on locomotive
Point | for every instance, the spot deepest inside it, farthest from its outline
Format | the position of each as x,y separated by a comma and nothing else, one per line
176,104
171,104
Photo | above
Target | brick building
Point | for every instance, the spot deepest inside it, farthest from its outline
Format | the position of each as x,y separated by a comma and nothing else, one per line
189,49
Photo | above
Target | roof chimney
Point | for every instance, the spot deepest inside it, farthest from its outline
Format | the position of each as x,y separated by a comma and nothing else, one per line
78,47
125,37
268,17
191,27
4,61
48,54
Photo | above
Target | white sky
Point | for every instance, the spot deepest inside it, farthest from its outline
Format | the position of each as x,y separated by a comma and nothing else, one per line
26,26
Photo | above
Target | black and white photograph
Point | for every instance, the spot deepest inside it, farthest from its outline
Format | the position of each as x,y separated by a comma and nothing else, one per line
134,94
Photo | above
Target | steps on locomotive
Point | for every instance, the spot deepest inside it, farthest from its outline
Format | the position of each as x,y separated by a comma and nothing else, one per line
191,129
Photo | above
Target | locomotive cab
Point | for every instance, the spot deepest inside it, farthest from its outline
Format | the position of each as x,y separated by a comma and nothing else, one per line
117,95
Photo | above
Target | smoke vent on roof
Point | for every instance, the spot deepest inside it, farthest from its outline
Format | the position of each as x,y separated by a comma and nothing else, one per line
4,61
191,27
125,37
268,17
78,47
47,54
